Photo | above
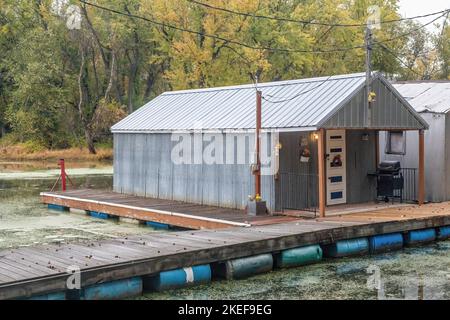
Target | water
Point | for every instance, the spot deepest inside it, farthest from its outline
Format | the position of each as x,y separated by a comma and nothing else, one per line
414,273
25,221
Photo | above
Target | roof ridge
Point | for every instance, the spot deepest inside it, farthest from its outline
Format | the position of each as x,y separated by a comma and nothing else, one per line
269,84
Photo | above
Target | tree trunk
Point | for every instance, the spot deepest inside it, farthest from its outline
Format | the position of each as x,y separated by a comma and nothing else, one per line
90,141
83,92
131,85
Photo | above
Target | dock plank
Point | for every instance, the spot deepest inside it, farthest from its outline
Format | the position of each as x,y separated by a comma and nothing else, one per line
148,254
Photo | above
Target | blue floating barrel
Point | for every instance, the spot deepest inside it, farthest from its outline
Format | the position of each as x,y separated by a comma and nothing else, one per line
299,256
246,267
178,278
118,289
345,248
99,215
57,207
157,225
386,242
417,237
443,233
50,296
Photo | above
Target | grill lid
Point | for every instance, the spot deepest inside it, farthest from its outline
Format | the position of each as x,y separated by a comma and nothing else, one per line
389,166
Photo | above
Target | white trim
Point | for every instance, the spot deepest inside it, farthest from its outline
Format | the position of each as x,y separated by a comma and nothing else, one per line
163,212
293,129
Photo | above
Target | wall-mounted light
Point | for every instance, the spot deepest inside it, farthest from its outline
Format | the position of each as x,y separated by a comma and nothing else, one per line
315,136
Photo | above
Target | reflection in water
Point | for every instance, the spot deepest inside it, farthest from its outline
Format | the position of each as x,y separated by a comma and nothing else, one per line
25,221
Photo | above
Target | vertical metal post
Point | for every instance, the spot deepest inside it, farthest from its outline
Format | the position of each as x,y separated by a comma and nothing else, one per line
368,40
377,148
421,168
63,174
321,165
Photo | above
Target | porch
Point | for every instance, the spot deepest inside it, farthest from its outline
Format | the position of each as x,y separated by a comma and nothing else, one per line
333,171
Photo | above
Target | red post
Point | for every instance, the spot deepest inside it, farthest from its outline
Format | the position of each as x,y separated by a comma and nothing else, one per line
63,174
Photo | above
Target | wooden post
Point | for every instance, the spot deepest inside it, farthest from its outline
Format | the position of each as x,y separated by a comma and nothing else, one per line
321,165
421,195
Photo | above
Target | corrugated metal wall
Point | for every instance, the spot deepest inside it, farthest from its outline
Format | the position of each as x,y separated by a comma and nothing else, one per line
297,186
361,161
387,111
437,155
143,166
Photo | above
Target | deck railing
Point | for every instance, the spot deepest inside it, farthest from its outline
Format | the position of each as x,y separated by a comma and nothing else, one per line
409,184
298,191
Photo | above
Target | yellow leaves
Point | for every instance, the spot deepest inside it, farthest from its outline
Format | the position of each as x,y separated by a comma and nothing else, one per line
4,29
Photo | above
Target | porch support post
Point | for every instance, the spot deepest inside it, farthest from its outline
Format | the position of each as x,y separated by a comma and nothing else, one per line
421,195
321,166
377,148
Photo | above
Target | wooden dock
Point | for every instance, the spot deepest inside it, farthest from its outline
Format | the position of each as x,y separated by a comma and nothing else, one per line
30,271
175,213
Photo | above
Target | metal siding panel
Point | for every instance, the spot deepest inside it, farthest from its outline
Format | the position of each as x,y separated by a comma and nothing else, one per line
165,181
290,194
117,163
152,164
435,161
360,162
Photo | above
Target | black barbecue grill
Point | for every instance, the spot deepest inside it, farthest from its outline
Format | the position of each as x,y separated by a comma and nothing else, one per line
390,181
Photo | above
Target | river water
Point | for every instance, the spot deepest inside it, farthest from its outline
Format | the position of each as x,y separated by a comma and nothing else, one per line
413,273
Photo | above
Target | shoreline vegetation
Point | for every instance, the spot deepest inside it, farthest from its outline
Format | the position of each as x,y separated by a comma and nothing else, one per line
20,152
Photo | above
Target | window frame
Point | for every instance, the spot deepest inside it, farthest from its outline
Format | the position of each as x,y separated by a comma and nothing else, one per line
388,147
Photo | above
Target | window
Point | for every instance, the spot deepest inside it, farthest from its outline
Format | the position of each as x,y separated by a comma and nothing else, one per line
395,142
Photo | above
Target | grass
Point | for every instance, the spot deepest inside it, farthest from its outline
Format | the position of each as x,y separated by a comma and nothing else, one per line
20,152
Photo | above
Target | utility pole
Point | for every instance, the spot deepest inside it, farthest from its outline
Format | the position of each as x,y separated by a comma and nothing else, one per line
369,94
257,206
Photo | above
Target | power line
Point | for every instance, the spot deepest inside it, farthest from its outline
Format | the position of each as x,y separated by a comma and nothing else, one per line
163,24
231,41
413,30
296,95
305,22
400,60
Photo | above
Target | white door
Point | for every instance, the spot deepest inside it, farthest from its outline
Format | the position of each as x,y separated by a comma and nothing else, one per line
335,167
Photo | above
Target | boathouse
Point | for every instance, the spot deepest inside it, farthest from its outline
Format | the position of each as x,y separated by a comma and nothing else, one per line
319,143
431,99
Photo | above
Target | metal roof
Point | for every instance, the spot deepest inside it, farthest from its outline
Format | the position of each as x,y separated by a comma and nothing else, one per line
427,96
294,104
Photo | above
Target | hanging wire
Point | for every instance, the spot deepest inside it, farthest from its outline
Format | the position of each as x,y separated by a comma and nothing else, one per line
242,44
305,22
296,95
